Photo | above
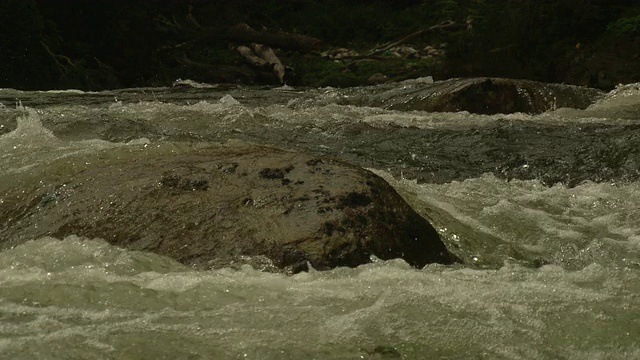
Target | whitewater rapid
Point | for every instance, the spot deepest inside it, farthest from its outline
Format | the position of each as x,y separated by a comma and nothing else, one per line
552,266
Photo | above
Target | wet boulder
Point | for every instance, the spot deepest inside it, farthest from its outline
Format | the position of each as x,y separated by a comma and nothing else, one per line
477,95
214,205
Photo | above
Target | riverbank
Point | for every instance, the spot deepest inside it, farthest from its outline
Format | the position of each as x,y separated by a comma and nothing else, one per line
115,44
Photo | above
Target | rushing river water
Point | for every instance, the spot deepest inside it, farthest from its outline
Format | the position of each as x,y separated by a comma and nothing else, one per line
542,208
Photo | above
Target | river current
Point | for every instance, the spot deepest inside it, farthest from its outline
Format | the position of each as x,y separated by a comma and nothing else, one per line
543,209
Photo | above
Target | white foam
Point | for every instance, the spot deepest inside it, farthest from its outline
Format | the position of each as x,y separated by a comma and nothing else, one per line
67,297
229,100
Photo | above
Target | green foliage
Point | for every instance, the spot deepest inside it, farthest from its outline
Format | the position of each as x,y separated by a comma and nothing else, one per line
628,26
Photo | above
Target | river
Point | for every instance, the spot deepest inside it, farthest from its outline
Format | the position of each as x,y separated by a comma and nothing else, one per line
543,209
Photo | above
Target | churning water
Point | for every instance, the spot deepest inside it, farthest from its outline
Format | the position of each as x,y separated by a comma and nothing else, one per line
543,209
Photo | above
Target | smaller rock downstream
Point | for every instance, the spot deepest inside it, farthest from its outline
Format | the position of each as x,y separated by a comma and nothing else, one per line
476,95
430,147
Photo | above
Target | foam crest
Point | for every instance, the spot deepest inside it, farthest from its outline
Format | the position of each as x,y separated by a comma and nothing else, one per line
382,307
571,227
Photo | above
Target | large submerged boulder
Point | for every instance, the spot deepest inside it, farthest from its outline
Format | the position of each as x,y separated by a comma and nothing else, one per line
213,205
476,95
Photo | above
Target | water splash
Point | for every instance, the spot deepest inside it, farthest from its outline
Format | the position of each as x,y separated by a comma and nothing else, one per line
80,296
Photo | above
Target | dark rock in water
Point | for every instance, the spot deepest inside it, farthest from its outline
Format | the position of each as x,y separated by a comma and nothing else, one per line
211,205
480,96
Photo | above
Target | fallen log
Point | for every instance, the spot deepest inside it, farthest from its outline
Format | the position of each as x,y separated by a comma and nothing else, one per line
448,24
251,57
243,33
267,53
262,56
259,54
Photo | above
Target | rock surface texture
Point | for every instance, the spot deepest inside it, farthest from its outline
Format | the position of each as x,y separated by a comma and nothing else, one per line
209,206
477,95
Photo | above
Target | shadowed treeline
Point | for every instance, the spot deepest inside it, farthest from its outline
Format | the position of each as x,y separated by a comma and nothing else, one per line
110,44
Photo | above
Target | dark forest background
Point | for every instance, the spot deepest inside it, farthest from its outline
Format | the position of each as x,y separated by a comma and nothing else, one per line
101,44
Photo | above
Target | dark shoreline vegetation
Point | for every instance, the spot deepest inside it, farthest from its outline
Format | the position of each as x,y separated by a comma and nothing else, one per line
95,45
